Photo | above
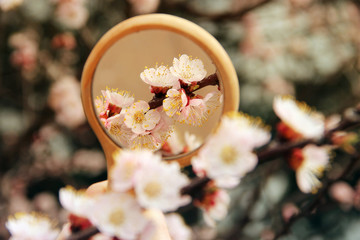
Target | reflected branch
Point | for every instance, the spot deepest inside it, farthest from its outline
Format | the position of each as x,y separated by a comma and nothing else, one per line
208,81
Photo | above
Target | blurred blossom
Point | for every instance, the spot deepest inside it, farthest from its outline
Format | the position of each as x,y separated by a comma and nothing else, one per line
51,150
228,154
64,99
309,164
23,226
6,5
64,40
178,230
72,14
345,140
89,161
278,86
143,6
25,52
289,210
214,203
343,193
298,120
46,203
299,45
332,121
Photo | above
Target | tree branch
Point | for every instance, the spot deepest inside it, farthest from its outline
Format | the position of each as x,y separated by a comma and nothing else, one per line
209,80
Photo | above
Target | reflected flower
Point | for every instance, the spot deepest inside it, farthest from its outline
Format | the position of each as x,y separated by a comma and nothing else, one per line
309,164
187,69
159,77
139,118
33,226
297,119
174,102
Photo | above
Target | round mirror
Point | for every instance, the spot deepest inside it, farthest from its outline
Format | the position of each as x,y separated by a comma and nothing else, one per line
157,82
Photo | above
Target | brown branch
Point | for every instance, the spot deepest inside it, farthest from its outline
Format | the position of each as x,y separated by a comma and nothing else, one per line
310,208
194,188
235,13
209,80
84,234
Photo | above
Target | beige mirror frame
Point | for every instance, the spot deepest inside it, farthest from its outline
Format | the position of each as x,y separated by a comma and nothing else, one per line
225,69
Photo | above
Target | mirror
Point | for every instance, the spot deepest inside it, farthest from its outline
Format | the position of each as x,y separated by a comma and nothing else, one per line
157,82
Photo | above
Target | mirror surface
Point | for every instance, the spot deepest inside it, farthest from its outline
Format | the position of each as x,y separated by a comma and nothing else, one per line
117,79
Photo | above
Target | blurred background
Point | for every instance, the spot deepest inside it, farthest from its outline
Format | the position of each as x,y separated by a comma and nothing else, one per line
305,48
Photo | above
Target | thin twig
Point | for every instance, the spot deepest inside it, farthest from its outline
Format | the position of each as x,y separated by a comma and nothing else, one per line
212,79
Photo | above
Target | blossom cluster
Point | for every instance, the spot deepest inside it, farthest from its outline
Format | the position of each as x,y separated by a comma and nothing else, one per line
120,212
140,181
135,125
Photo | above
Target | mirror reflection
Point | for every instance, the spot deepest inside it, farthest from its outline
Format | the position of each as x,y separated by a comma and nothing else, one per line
158,90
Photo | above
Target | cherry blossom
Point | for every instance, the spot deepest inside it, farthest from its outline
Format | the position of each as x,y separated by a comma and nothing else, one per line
64,99
298,120
187,69
76,202
139,118
72,14
175,101
309,164
161,189
127,164
228,154
7,5
178,230
23,226
214,204
159,77
118,214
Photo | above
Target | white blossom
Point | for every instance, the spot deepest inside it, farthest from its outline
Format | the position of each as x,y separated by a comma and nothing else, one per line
187,69
158,186
127,165
310,167
23,226
218,209
299,117
72,14
75,201
7,5
159,77
178,230
228,154
139,118
118,214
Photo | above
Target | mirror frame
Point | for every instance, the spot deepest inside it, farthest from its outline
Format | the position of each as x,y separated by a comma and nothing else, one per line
195,33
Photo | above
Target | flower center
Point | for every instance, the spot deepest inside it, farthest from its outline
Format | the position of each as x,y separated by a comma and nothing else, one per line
129,169
139,117
228,155
152,189
117,217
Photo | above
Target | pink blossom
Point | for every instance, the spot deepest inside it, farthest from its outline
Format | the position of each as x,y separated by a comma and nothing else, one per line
144,6
343,193
64,99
